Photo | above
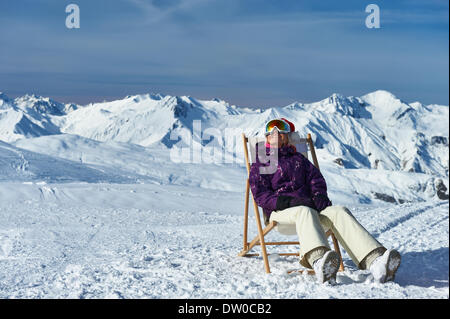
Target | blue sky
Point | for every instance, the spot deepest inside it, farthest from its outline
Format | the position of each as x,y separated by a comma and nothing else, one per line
248,52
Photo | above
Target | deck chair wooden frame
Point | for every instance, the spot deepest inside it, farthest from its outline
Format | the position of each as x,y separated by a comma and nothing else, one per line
302,145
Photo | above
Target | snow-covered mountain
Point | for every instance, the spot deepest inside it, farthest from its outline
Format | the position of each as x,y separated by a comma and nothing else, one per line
28,116
143,119
376,133
378,130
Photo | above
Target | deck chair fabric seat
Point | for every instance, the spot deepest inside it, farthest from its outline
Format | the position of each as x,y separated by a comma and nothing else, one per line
304,146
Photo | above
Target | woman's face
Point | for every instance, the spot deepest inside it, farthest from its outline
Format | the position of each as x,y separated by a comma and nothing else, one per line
276,139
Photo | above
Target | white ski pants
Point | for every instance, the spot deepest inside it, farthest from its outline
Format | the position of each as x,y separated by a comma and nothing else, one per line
310,227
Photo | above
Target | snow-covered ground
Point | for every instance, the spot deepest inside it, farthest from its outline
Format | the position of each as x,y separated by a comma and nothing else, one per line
93,204
82,240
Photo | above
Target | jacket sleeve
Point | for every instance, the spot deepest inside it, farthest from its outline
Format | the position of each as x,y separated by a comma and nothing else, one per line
318,187
261,189
315,179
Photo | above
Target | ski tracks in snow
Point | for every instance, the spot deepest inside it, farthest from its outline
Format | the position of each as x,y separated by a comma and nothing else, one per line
420,233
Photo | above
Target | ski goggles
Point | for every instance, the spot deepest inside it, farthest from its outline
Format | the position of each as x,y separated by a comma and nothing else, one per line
280,125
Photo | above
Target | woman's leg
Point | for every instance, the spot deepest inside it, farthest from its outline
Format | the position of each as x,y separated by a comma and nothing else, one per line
354,238
312,238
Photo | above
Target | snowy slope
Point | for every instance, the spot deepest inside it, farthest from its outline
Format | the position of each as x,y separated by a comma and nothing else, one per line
22,165
138,163
153,164
153,241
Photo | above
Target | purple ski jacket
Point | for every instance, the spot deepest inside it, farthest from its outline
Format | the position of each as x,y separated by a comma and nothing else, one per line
295,182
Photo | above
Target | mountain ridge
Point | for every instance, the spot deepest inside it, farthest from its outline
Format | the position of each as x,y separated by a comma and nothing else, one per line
376,130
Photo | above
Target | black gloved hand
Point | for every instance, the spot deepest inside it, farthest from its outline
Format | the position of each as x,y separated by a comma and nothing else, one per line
300,201
321,202
283,202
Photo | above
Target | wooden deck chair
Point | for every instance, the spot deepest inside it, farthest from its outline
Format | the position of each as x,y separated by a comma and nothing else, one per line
302,145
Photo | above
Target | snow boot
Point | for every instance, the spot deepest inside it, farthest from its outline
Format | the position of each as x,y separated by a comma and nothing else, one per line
326,267
383,268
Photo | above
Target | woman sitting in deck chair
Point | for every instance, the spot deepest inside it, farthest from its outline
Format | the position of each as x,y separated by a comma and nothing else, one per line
294,195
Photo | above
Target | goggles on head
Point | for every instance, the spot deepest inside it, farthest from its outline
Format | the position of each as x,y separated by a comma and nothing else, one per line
280,125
